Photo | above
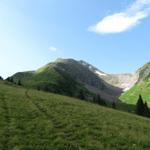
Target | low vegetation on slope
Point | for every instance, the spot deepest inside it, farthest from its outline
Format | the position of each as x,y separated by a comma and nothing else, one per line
31,119
142,88
51,80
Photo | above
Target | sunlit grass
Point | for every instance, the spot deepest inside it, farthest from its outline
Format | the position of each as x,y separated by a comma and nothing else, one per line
132,95
31,119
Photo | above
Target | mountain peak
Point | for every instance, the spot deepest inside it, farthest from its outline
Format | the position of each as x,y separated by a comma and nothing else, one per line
144,71
65,60
92,68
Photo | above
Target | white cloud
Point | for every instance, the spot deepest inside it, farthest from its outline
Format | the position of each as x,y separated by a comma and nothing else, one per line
125,20
52,48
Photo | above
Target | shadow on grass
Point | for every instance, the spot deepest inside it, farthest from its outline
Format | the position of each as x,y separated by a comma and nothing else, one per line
126,107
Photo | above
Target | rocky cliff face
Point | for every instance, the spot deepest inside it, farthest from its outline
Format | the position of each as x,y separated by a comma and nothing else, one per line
144,72
142,87
123,81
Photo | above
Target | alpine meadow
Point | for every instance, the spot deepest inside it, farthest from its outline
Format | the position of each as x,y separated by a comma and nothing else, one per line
74,75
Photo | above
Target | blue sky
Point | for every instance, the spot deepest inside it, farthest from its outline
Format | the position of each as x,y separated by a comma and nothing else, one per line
113,35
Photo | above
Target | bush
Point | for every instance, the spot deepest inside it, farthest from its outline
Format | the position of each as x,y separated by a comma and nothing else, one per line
114,105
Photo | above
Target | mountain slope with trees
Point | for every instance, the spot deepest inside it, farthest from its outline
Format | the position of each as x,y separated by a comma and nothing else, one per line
78,78
68,77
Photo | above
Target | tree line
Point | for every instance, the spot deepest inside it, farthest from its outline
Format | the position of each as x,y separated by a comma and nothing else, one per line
97,99
10,79
1,78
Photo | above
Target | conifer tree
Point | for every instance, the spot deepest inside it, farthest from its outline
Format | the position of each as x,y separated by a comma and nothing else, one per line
100,101
81,95
94,99
146,110
19,82
140,108
114,105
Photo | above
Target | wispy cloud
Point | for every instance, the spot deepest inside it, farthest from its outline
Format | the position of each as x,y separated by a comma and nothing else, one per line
124,20
52,48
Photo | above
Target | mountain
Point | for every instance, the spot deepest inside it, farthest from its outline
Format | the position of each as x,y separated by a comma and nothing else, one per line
142,86
132,84
69,77
122,81
31,119
75,78
51,79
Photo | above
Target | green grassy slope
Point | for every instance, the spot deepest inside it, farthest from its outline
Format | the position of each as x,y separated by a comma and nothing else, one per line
31,119
132,95
68,77
141,87
51,79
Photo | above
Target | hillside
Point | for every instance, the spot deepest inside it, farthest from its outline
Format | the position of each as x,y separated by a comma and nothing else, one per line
142,87
71,77
68,77
33,119
122,81
51,78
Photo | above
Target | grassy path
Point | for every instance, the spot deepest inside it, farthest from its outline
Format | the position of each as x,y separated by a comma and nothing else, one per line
57,124
34,120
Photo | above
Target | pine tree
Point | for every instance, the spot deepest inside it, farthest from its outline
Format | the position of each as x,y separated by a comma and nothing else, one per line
146,110
1,78
81,95
100,101
94,99
19,82
114,105
140,108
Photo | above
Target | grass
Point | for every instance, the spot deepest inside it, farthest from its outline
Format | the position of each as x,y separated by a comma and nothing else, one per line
141,88
126,107
132,95
31,119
